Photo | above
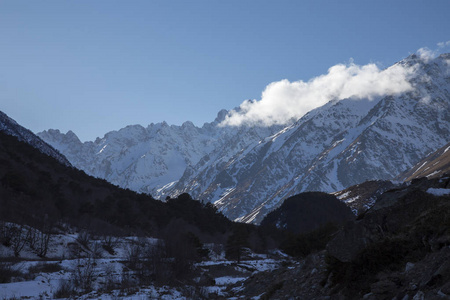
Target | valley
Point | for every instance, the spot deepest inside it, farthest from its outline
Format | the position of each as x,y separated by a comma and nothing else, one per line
351,201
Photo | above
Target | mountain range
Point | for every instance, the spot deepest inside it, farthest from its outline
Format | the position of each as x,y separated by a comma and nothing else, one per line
151,159
247,171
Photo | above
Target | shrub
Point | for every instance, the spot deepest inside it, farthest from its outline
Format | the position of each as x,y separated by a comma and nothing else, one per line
109,243
84,238
7,272
65,289
83,274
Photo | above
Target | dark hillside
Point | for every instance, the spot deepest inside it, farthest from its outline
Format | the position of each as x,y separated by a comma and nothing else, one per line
36,189
398,249
11,127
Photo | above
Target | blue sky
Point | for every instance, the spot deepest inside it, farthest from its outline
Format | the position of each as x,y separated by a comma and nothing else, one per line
96,66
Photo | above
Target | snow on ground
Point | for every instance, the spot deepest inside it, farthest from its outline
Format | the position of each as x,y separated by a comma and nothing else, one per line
260,265
438,192
40,278
163,293
434,173
227,280
352,199
342,196
39,287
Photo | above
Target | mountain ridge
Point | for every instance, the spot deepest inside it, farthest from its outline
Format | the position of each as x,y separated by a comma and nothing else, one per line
11,127
328,150
150,159
247,171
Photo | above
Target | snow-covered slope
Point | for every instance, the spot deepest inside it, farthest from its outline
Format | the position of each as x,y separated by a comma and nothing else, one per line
10,127
340,144
152,159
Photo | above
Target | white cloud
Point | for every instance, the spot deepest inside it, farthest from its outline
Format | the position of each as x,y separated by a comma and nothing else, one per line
427,54
283,101
444,44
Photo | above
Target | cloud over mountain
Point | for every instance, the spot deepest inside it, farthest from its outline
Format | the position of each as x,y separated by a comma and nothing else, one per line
282,101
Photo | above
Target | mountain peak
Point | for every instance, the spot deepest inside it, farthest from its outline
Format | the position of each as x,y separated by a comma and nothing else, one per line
221,116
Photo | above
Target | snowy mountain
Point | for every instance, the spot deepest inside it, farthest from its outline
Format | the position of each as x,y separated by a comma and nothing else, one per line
151,159
10,127
247,171
340,144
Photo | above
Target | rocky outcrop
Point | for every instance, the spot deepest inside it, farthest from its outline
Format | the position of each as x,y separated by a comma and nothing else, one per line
362,196
398,249
399,246
434,165
393,212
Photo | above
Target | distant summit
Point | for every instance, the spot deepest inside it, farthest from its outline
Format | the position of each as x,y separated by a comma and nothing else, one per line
151,159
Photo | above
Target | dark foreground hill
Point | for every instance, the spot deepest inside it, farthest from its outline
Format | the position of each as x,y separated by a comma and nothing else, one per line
308,211
37,190
398,249
11,127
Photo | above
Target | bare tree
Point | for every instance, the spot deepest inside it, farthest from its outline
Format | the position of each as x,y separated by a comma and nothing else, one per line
18,238
5,234
38,240
109,243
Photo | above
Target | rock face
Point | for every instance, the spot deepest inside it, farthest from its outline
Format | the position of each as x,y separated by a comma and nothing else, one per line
394,211
434,165
399,249
362,196
247,172
10,127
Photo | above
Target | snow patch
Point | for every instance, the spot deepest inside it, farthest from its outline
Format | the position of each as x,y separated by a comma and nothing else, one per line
438,192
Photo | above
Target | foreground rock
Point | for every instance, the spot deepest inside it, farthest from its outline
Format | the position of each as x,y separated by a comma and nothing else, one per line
399,249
